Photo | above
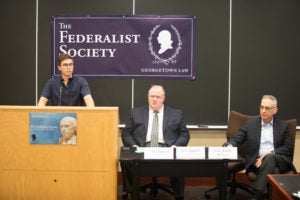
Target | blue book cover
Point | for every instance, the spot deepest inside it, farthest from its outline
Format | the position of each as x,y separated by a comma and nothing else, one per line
53,128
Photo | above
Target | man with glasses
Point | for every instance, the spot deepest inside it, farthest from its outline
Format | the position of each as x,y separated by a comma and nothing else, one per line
66,90
268,143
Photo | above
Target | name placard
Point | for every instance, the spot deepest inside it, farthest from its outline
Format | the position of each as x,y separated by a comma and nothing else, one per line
158,153
197,152
222,152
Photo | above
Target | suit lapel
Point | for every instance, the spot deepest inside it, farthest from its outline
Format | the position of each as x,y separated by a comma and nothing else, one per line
275,132
258,133
165,118
146,119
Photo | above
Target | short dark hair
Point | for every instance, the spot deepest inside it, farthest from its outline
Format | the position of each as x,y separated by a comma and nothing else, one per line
62,57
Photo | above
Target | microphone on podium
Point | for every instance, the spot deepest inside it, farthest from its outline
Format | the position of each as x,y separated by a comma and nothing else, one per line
33,138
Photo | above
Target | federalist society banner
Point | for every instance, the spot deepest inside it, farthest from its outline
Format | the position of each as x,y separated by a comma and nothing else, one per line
126,46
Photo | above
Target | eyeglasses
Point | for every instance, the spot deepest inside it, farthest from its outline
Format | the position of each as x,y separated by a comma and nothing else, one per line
266,108
67,64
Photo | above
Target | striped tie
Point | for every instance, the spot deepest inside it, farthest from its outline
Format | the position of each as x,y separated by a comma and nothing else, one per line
154,133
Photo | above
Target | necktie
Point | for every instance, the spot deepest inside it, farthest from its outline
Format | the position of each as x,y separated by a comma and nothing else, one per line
154,133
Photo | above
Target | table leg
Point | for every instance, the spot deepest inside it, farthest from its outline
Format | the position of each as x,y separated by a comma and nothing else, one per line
136,187
222,182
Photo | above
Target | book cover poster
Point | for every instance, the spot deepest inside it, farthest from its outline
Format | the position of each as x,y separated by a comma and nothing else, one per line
53,128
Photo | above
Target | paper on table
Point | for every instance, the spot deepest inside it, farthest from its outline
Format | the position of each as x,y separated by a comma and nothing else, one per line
222,152
158,153
194,152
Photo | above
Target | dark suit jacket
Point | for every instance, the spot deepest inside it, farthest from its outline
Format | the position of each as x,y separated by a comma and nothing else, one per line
174,127
251,132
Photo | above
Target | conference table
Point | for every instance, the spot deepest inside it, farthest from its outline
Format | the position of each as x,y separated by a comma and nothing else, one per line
217,168
284,186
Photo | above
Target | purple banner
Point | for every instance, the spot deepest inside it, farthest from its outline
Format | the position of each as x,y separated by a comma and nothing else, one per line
127,46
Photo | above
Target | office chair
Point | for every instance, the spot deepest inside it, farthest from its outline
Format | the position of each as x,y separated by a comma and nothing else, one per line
292,123
154,186
235,122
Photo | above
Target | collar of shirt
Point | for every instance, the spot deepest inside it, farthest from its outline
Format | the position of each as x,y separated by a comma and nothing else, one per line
159,111
69,81
263,123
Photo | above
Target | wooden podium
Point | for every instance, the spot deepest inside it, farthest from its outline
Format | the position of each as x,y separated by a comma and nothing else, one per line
86,170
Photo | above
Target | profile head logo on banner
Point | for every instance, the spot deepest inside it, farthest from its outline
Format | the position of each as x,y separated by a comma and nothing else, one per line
164,44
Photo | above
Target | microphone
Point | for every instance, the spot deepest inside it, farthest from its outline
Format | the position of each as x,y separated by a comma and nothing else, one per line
33,137
59,101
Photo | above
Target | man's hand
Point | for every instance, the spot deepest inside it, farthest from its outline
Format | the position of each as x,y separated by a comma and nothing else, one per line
260,159
229,145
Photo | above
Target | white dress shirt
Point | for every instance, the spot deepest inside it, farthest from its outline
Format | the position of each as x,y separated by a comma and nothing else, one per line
266,138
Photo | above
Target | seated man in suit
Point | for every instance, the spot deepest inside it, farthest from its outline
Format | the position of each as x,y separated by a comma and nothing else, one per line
172,132
268,142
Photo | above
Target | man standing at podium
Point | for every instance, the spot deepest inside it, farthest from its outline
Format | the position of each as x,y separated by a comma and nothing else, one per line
66,90
155,125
